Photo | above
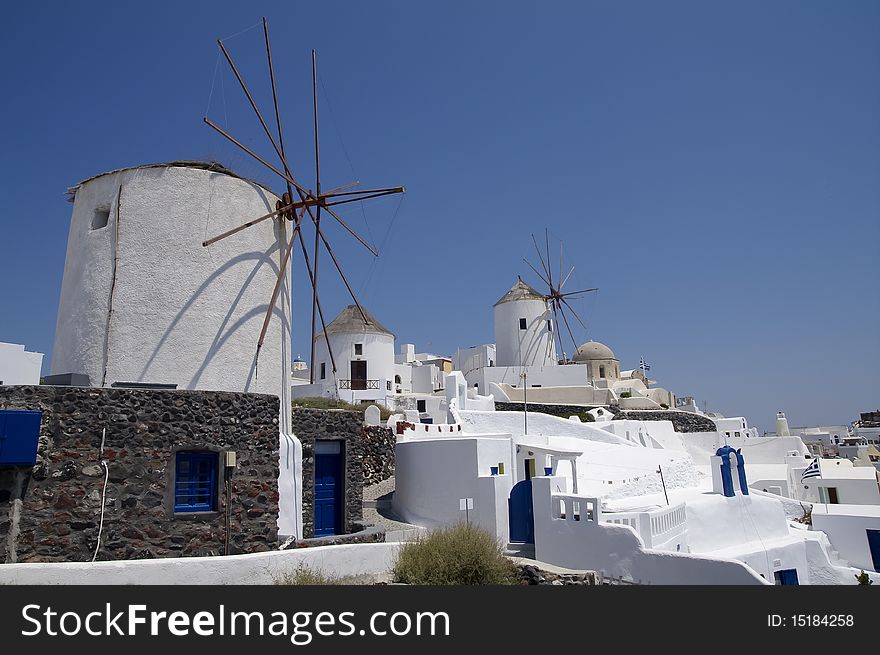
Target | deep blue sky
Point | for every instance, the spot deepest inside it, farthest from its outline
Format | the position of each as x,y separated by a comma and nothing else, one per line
714,168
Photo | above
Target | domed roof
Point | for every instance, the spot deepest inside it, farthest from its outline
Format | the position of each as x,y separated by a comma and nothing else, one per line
593,350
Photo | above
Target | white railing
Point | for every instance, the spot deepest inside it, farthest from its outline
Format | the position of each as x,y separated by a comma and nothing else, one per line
657,528
567,507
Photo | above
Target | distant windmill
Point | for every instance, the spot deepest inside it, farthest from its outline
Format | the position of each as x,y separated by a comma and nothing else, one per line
293,209
557,299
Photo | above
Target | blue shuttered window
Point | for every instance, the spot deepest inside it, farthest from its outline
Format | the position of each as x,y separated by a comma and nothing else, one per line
195,482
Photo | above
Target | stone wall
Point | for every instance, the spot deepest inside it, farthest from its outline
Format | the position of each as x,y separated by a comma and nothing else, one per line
310,425
378,460
57,516
562,411
681,421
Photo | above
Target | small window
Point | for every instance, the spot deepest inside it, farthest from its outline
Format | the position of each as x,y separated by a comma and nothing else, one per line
396,379
388,385
323,370
195,482
601,371
549,325
422,405
100,218
522,324
358,349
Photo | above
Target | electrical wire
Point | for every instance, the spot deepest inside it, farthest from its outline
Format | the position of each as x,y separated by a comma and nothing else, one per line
103,493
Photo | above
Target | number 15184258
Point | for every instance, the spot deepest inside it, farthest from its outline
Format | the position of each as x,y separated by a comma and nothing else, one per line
810,621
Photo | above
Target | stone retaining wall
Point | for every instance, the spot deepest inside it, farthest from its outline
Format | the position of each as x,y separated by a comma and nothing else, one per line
681,421
562,411
378,460
57,517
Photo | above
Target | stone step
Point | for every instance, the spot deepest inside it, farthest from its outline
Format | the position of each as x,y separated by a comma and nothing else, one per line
520,550
379,503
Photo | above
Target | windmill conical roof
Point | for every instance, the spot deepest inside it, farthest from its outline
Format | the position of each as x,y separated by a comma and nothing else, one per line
520,291
350,321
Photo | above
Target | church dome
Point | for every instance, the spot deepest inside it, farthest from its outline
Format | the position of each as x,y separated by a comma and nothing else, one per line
593,350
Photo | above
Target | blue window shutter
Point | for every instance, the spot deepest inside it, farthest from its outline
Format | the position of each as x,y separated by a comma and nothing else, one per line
195,482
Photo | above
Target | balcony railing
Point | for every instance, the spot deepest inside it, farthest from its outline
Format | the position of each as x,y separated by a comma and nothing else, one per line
358,385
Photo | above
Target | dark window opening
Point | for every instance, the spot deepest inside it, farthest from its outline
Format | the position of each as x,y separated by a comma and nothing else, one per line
195,482
549,325
422,405
358,349
522,324
100,218
323,370
601,371
396,379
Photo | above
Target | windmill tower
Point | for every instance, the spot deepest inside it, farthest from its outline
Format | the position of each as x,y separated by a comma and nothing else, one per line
523,332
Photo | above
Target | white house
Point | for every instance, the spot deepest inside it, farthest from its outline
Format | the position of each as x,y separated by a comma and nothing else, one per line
363,353
19,366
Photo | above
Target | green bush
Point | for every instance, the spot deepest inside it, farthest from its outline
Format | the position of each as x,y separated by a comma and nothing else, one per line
333,403
458,555
626,394
586,417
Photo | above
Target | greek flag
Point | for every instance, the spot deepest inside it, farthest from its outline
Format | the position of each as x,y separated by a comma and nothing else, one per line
812,471
644,365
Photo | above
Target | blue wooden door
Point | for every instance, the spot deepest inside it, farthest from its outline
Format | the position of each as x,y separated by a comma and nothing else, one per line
521,514
786,577
874,545
328,488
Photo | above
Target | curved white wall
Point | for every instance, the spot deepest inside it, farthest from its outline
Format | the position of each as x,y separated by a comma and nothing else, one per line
181,313
378,351
533,346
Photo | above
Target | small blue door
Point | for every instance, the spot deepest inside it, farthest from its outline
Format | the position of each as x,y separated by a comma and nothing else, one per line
521,514
786,577
874,545
328,488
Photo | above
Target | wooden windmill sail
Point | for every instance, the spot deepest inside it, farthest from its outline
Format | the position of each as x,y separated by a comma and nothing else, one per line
297,201
555,296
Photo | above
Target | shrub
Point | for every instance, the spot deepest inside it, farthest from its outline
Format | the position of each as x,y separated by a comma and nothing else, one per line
586,417
626,394
664,405
458,555
304,575
864,578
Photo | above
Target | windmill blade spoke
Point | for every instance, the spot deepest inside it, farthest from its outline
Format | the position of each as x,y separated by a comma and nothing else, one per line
303,192
541,257
315,107
568,327
253,103
315,279
374,195
314,283
556,330
333,192
350,231
235,230
584,325
574,293
536,271
275,103
547,245
566,278
341,274
560,267
282,271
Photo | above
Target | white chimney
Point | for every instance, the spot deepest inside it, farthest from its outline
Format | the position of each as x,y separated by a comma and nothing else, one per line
782,425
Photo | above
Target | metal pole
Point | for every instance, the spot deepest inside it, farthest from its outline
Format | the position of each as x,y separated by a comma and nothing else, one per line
663,482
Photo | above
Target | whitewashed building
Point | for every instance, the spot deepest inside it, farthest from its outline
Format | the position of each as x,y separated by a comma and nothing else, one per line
19,366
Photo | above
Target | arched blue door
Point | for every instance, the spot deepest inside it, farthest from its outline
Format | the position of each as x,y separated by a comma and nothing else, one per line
520,513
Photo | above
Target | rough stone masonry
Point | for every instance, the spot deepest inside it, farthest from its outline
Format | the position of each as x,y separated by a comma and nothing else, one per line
51,512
